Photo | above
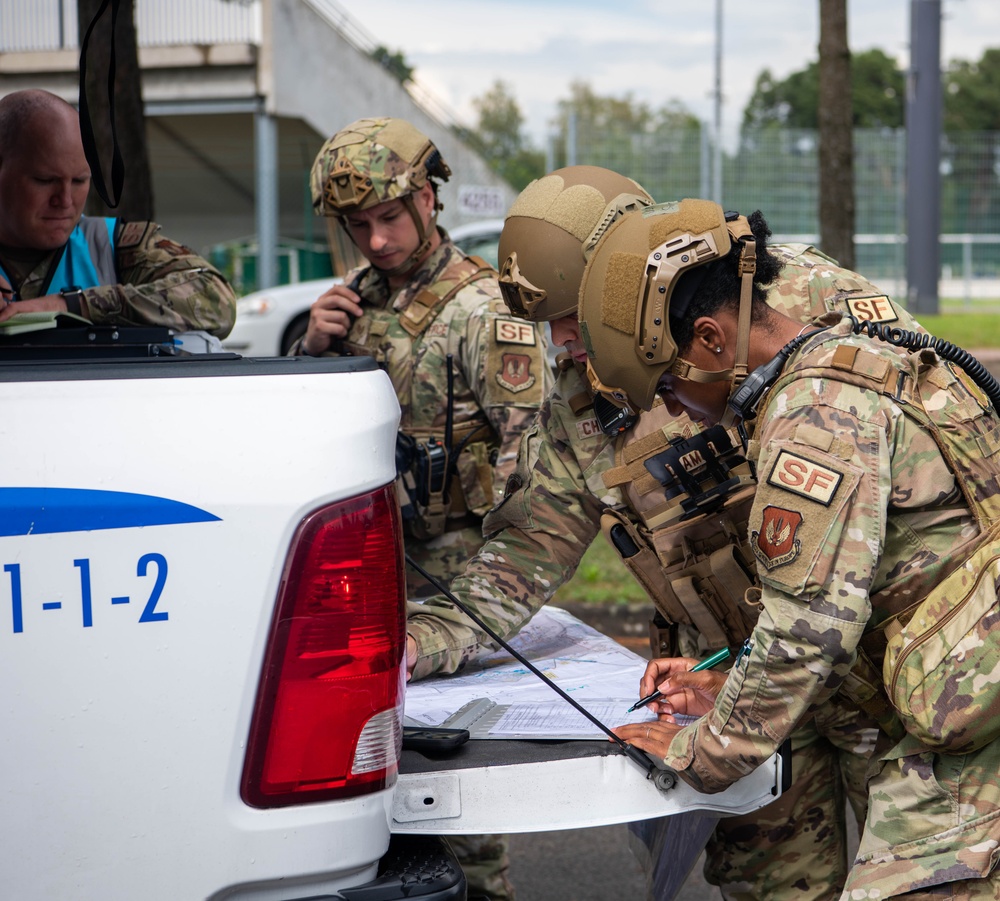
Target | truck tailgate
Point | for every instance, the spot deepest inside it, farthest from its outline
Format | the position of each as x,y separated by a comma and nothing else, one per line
492,784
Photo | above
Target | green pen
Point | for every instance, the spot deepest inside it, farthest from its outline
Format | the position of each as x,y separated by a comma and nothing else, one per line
707,663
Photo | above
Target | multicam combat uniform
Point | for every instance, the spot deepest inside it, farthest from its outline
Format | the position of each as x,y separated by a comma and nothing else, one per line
552,512
468,377
861,501
142,278
450,305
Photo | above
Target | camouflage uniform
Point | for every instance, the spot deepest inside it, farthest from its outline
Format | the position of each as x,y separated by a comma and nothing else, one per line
550,515
500,376
858,499
157,282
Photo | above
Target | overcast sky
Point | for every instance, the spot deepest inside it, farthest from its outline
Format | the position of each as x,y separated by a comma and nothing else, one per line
657,50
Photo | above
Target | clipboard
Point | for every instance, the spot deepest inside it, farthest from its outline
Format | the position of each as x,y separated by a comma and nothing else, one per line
481,717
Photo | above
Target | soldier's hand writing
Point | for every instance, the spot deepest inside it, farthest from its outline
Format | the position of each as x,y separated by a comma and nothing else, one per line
330,317
692,694
54,302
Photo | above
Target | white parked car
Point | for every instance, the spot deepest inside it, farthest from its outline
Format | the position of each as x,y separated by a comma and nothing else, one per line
270,321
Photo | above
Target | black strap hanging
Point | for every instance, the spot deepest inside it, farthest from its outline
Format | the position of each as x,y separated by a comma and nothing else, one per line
86,126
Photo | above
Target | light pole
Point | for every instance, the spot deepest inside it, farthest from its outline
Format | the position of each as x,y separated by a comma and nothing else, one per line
923,157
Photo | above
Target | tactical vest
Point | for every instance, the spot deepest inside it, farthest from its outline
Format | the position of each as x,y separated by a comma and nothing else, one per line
694,565
967,433
433,496
684,535
86,260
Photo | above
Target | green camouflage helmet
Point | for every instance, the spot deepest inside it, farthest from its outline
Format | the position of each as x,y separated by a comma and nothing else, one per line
638,277
550,231
372,161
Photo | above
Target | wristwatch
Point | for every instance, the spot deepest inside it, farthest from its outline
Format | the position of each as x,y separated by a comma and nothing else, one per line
72,295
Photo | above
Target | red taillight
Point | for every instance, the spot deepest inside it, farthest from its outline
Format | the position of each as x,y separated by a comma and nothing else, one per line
327,722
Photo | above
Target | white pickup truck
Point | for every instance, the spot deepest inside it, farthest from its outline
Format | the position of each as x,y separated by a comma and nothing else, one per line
201,642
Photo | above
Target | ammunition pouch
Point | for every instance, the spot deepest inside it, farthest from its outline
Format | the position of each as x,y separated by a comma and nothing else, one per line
697,572
685,536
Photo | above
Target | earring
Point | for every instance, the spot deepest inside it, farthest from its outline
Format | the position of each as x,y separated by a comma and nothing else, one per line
718,349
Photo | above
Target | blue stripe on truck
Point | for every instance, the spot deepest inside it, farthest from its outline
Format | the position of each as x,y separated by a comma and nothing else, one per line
40,511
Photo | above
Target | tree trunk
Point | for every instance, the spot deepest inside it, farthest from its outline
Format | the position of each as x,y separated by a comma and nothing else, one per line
136,201
836,127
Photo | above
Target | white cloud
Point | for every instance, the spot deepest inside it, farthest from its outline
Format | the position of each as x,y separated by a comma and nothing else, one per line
655,50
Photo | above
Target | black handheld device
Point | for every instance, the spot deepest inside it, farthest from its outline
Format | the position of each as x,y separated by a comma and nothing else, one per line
612,419
433,739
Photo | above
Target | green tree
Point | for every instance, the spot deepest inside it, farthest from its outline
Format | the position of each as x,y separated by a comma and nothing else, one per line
836,151
655,146
394,63
499,137
877,95
617,115
972,94
972,106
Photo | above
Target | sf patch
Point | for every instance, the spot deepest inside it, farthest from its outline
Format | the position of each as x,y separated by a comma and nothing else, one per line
510,331
515,372
775,543
872,309
805,477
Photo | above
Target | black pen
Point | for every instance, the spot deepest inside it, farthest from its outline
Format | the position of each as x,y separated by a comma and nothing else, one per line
707,663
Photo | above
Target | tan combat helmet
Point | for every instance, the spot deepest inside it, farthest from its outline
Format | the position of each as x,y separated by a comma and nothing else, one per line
372,161
645,271
551,229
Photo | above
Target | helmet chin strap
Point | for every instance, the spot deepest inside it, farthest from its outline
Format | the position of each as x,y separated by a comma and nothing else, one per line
683,369
423,237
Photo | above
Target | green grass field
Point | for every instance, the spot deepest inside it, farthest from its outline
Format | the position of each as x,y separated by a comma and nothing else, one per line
601,578
973,330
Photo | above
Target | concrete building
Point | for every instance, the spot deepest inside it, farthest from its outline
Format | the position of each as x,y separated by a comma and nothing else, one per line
239,95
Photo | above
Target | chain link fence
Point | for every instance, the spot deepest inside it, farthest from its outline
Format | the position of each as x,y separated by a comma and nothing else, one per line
777,172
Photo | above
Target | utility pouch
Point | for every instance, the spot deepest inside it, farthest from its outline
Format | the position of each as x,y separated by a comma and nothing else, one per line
640,560
692,572
707,565
942,663
422,473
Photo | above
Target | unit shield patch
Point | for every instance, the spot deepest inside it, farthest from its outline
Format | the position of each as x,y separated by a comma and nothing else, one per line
775,543
515,372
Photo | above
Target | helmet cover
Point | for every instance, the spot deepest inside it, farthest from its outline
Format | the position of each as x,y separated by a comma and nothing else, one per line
551,229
